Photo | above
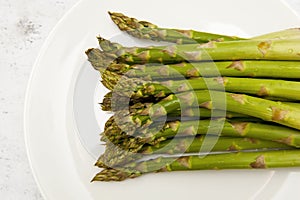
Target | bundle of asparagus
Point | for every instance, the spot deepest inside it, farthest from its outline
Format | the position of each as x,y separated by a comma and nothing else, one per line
207,101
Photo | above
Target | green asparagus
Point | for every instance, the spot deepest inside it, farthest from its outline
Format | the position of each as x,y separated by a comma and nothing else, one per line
147,30
240,160
116,156
258,87
231,50
247,68
267,110
175,99
229,128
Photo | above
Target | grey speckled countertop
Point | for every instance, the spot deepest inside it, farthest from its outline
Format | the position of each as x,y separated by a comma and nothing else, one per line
24,25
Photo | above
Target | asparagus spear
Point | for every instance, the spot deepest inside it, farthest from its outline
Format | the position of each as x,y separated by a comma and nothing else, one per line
247,68
99,59
116,156
188,112
147,127
194,144
114,102
145,86
240,160
147,30
117,135
266,110
231,50
259,87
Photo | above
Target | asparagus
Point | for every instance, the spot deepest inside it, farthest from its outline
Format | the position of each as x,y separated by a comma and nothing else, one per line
269,132
117,135
99,59
231,50
258,87
113,102
188,112
116,156
106,104
125,147
246,68
266,110
142,128
277,90
240,160
194,145
147,30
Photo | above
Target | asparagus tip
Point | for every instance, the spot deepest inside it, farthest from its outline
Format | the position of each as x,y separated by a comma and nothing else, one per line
101,39
114,175
89,51
99,59
115,14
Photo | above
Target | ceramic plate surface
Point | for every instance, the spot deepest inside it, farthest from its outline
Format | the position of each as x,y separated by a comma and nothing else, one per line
63,120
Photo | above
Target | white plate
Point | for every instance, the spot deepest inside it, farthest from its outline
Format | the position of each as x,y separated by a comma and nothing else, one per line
62,119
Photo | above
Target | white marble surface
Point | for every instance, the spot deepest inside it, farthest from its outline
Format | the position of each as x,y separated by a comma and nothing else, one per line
24,25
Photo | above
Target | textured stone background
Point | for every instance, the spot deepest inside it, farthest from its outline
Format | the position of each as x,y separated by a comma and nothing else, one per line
24,25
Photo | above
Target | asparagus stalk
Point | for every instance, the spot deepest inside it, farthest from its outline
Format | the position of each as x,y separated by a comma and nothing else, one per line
231,50
116,156
147,30
145,86
258,87
117,135
111,104
266,110
262,131
246,68
240,160
119,102
194,145
188,112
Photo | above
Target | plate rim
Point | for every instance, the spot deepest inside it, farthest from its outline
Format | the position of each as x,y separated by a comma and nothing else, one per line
33,72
